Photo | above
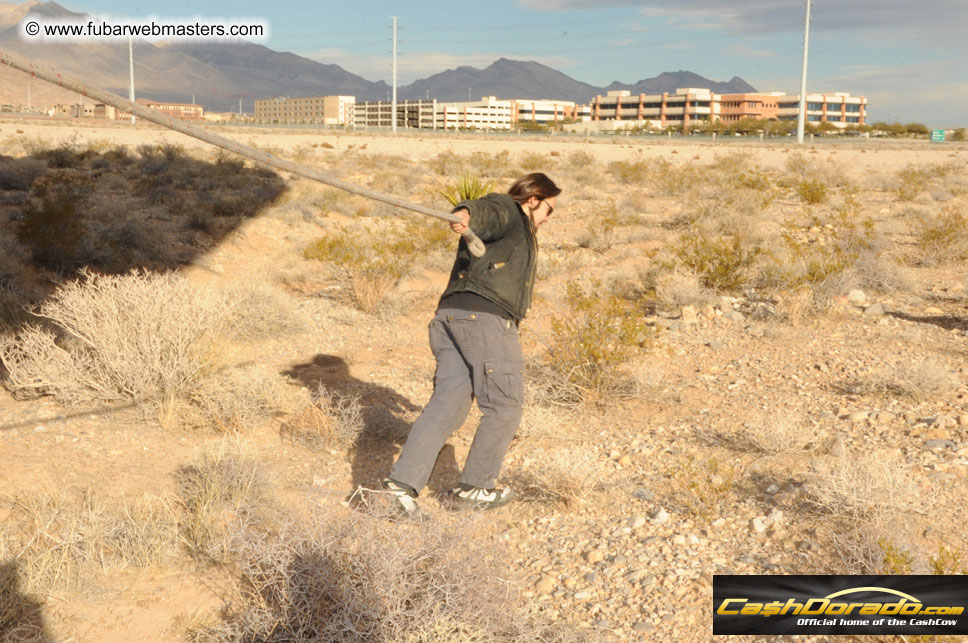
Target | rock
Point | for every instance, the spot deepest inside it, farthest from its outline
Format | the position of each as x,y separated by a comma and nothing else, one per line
594,556
859,416
757,525
716,345
660,517
679,539
963,420
840,300
773,489
875,310
837,448
644,628
636,575
625,461
734,315
856,297
643,493
719,522
689,315
708,312
583,596
637,522
545,585
939,444
776,517
933,310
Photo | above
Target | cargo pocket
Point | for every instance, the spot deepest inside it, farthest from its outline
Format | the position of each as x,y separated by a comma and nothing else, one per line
505,382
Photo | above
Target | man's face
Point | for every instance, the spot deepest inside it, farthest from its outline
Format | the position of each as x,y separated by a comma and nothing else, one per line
541,212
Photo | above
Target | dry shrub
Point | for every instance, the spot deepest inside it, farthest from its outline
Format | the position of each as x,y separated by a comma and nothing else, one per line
941,238
233,399
141,338
864,487
680,287
705,486
21,615
260,311
222,489
880,545
62,540
917,380
19,174
566,477
779,433
358,577
328,418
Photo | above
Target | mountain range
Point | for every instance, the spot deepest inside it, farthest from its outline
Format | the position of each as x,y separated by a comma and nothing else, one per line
220,75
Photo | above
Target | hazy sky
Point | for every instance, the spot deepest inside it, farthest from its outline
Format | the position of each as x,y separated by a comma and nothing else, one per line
909,58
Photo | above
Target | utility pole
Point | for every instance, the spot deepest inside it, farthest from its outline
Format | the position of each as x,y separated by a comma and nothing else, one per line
393,106
802,115
131,74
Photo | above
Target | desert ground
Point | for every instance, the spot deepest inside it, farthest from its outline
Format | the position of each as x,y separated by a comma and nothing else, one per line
743,357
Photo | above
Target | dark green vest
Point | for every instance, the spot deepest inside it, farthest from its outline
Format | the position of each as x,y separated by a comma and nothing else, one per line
506,272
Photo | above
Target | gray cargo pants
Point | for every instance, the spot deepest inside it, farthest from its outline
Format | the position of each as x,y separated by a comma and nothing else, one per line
478,357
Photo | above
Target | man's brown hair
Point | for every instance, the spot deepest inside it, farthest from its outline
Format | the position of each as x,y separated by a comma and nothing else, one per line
534,184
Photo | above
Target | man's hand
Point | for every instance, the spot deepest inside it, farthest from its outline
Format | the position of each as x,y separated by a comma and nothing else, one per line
465,217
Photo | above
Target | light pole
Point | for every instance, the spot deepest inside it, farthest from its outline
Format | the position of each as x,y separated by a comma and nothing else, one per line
802,116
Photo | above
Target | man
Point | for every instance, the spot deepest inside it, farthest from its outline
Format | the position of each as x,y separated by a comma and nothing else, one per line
474,338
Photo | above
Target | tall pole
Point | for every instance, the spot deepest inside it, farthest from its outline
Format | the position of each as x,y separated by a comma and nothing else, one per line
802,115
131,74
393,107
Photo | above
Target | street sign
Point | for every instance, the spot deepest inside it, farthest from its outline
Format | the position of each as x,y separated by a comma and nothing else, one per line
937,135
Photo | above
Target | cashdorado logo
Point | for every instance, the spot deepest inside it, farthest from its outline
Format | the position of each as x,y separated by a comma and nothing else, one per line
907,605
793,605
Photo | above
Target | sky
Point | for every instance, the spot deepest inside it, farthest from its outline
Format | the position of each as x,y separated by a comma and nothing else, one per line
910,59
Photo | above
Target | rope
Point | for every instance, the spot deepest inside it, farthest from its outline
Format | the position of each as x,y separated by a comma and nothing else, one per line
154,116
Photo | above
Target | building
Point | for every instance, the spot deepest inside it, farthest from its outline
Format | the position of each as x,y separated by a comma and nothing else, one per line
692,106
410,113
758,106
838,108
548,111
77,110
685,107
489,113
322,110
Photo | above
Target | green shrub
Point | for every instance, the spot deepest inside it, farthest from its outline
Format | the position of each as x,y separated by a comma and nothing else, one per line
52,226
466,188
590,344
368,265
722,264
812,191
911,181
942,237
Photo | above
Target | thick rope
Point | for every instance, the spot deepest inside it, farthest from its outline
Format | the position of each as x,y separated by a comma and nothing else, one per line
50,75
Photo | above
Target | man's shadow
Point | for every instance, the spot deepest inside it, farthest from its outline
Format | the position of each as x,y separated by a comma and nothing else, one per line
387,417
21,617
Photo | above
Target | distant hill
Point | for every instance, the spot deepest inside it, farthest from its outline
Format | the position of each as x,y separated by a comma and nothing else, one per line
670,81
503,78
219,75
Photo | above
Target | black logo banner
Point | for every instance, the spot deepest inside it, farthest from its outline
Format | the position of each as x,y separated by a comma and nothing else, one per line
857,605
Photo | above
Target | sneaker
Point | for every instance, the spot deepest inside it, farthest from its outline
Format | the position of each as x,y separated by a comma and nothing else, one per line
401,497
470,497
